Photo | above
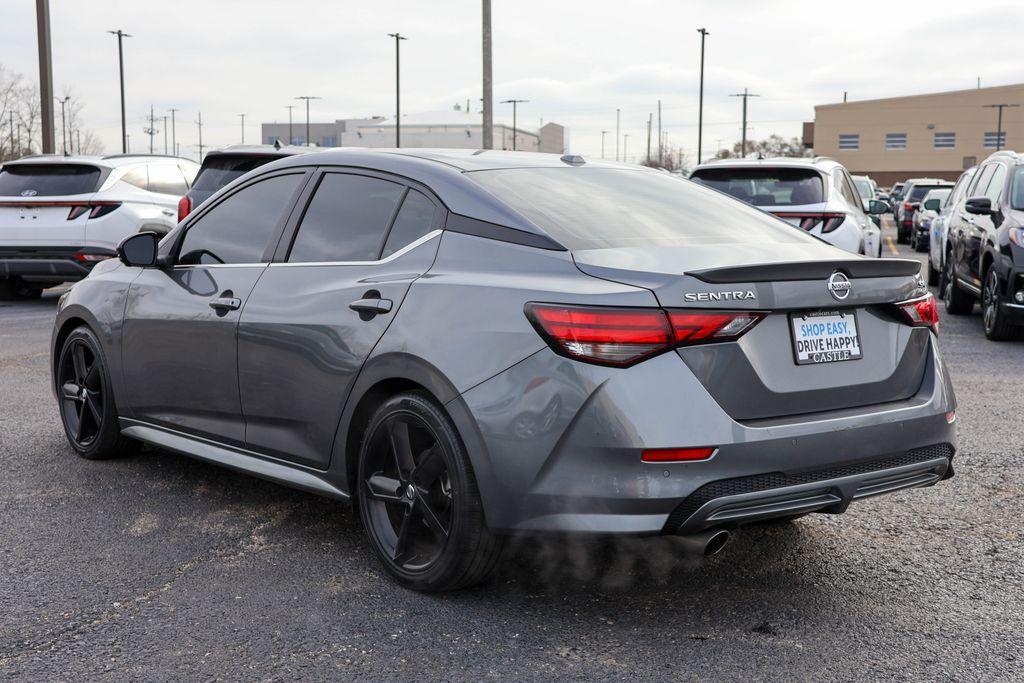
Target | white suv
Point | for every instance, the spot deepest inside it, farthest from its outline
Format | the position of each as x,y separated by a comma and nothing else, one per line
60,215
815,194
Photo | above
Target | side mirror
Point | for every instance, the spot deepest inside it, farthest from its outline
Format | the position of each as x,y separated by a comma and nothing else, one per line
981,206
139,249
932,205
877,207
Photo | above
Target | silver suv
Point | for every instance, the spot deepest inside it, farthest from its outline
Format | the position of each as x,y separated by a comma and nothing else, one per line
60,215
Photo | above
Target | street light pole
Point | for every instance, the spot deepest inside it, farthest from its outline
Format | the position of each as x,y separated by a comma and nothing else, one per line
398,101
121,35
603,132
999,121
617,118
625,139
700,100
63,125
290,136
513,103
243,127
165,136
174,135
488,124
307,98
45,75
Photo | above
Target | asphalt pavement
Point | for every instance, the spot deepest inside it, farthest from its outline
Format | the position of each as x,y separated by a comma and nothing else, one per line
160,567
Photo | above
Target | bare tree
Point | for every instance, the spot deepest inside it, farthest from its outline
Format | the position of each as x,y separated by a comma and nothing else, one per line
773,146
675,160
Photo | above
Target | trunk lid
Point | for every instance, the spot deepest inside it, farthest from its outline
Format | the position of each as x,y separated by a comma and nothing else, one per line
43,221
757,376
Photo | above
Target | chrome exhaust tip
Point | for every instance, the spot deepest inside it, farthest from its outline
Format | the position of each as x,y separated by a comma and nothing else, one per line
706,543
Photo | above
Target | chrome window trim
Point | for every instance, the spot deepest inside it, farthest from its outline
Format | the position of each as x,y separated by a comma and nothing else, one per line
404,250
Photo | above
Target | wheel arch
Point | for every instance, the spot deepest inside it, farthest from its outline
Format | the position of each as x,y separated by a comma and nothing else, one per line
68,322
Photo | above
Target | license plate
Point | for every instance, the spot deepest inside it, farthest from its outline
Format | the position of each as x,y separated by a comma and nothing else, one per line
825,337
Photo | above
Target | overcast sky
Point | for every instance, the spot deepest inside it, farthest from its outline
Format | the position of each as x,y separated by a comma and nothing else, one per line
576,61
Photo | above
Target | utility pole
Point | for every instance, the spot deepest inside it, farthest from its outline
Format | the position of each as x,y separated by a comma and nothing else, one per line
745,95
513,103
14,154
63,126
650,120
290,136
398,101
661,148
700,98
127,142
617,120
999,121
199,123
165,136
603,133
174,134
488,128
45,74
243,127
121,35
151,131
78,134
307,98
625,139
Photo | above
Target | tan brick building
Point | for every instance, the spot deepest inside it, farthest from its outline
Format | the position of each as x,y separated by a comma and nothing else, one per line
934,135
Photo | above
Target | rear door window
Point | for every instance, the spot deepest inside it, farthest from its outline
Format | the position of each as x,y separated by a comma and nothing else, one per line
239,229
346,220
415,219
995,184
167,179
137,177
981,179
765,186
48,180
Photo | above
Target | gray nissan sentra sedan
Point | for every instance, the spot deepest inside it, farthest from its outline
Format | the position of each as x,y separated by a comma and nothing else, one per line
468,345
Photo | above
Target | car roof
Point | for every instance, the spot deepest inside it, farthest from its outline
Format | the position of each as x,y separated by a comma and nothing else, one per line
260,150
818,163
928,181
108,161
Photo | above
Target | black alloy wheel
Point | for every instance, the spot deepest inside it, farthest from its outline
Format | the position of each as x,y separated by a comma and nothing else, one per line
997,328
956,300
418,498
87,407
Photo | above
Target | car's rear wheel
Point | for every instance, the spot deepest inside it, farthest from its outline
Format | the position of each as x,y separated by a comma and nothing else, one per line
956,300
14,289
997,327
418,498
86,398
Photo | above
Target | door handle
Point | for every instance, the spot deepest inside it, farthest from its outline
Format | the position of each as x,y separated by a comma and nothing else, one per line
226,303
372,306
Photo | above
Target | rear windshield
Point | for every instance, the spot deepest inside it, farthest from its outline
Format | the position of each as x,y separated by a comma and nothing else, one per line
217,171
764,186
48,180
939,194
594,208
864,188
919,191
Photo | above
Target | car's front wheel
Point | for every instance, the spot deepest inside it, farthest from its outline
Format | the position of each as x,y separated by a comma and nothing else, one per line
86,398
418,498
997,327
956,300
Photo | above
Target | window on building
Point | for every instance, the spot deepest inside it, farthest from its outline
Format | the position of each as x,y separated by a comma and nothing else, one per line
895,141
994,140
944,140
849,141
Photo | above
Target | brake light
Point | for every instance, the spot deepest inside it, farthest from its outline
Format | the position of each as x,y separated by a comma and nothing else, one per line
91,258
95,209
920,312
829,221
676,454
184,207
623,336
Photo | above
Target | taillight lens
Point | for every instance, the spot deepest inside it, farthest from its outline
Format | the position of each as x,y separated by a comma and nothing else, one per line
91,258
828,221
624,336
920,312
95,209
184,207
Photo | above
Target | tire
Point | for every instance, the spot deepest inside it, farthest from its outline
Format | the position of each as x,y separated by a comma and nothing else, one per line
956,300
997,327
418,498
86,399
16,289
933,275
913,240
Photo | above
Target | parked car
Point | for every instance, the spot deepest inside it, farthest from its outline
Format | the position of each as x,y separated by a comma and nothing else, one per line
913,192
986,247
371,325
937,247
867,190
931,204
222,166
895,195
816,195
60,215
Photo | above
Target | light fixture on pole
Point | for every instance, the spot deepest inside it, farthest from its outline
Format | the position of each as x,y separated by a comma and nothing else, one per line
398,93
603,133
291,137
63,125
999,121
700,99
307,98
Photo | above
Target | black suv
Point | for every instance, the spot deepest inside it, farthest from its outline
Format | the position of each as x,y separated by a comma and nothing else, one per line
221,166
985,251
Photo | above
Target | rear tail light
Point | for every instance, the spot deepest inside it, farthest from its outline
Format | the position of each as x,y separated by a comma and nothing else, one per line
829,221
624,336
91,258
184,207
95,209
676,454
920,312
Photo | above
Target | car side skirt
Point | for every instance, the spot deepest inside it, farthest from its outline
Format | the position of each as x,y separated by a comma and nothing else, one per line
238,459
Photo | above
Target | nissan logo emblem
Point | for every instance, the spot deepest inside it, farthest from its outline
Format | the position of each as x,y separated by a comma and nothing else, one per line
839,286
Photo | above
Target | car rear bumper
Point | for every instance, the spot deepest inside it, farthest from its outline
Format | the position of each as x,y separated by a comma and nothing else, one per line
49,263
580,470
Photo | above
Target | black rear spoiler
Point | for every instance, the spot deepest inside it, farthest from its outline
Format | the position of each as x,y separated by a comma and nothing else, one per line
808,270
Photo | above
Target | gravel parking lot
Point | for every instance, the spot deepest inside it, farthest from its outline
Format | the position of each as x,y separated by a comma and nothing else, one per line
161,567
